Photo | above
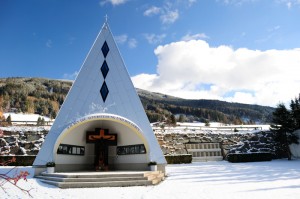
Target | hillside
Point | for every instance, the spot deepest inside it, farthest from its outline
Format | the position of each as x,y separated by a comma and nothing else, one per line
202,110
33,95
45,96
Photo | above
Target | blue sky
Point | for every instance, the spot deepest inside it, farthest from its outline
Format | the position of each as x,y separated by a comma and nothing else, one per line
235,50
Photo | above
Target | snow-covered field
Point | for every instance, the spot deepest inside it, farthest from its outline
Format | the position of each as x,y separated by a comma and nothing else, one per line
277,179
23,118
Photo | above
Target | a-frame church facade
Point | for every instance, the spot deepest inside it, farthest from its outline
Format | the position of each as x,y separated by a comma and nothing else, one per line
102,124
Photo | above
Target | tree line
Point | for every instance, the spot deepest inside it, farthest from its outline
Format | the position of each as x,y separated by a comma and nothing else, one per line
204,110
32,95
285,123
45,96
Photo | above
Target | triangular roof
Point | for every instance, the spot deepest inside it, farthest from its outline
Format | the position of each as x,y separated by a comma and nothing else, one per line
103,85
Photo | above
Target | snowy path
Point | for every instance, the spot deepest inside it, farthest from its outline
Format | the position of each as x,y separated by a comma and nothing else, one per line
277,179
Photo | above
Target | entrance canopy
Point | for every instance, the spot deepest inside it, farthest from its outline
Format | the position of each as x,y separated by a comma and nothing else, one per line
72,150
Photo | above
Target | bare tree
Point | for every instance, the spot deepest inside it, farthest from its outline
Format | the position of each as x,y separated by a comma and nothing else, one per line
13,180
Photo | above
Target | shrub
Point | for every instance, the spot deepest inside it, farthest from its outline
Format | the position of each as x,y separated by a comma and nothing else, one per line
178,159
50,164
152,163
249,157
21,160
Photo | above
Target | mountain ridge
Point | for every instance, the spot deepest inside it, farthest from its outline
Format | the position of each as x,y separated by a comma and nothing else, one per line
45,96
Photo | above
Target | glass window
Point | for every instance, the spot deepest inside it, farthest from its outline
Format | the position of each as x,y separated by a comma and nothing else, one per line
104,69
105,49
70,149
131,149
104,91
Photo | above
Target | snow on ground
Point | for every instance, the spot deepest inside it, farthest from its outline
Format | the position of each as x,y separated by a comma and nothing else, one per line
25,128
277,179
25,117
214,128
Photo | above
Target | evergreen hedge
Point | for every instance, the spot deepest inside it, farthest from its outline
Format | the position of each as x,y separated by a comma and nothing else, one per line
179,159
249,157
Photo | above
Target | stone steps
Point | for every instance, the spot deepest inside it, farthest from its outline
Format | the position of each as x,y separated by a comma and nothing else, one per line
207,158
102,179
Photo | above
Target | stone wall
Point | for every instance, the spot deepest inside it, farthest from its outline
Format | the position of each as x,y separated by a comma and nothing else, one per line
174,142
22,141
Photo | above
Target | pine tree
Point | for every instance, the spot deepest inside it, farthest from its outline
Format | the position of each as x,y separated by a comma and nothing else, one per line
8,120
43,121
295,111
181,118
38,123
283,127
173,120
207,123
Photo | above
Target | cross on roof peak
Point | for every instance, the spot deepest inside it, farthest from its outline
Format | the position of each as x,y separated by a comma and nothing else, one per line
106,18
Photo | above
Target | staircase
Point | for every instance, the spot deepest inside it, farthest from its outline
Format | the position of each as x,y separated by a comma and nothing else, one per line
102,179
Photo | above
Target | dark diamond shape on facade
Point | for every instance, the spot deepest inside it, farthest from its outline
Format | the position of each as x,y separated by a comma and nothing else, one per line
104,91
104,69
105,49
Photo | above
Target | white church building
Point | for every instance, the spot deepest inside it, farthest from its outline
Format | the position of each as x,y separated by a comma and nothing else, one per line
102,124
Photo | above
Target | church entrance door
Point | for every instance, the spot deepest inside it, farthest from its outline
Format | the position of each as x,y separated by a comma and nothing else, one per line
102,140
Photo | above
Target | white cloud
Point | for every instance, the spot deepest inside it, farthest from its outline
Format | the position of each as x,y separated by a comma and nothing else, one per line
152,11
145,79
154,39
275,28
121,39
289,3
271,33
113,2
191,2
132,43
169,17
49,43
189,37
70,76
244,97
237,2
169,11
71,40
239,75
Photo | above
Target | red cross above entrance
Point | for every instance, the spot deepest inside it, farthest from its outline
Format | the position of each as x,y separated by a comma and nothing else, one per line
101,136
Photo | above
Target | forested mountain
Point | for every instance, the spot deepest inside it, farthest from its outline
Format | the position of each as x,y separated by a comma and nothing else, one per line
45,96
203,110
33,95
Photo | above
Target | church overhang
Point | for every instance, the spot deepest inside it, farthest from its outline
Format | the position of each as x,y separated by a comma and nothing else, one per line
102,117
